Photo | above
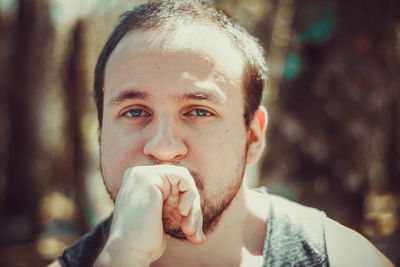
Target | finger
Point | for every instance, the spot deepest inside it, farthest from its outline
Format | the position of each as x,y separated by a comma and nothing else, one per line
175,190
173,197
199,230
181,177
172,201
188,224
186,202
175,216
182,181
187,181
192,224
194,221
198,236
190,197
193,239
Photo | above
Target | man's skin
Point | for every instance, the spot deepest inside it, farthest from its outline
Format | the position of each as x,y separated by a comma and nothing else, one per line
174,146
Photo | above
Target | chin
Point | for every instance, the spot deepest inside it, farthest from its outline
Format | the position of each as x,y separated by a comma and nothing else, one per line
173,229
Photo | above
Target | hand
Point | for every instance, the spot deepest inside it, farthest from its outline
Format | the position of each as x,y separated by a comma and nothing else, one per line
148,194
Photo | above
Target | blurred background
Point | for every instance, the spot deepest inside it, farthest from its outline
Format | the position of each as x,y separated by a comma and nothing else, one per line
333,97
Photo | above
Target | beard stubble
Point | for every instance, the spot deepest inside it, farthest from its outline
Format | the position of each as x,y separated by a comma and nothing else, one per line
212,212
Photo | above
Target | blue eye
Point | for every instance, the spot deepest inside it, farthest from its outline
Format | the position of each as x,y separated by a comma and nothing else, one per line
137,113
200,112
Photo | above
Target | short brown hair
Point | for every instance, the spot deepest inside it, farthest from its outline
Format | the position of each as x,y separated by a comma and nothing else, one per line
154,15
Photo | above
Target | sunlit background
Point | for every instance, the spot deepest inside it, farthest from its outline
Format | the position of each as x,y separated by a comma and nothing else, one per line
333,97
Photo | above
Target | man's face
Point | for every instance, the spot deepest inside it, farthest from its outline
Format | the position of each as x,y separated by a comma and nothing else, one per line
176,98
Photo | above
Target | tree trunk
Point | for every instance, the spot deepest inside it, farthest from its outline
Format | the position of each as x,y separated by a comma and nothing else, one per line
32,37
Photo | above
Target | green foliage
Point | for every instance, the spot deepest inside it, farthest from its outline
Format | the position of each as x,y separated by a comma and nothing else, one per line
293,66
319,23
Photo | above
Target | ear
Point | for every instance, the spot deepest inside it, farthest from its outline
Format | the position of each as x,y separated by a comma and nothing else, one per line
256,135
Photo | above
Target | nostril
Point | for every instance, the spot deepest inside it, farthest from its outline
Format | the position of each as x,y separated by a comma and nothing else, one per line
153,159
165,143
165,151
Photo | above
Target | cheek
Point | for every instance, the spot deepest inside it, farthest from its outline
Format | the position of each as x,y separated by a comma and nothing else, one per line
219,150
222,142
118,152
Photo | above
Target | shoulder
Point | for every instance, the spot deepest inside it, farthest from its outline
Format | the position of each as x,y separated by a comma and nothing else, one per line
55,263
346,247
86,249
295,234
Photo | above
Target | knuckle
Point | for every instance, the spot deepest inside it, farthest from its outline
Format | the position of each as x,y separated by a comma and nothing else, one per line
185,171
136,175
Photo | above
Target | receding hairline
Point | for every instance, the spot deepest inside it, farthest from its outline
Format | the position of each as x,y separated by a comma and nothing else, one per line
168,37
155,38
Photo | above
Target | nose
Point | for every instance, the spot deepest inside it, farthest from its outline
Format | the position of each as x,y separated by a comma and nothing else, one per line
164,143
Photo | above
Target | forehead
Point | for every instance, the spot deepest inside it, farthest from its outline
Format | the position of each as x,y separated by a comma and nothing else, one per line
202,45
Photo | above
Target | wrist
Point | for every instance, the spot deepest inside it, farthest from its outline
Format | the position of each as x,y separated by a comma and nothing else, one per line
117,253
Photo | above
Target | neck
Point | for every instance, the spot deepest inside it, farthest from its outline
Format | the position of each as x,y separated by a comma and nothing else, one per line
238,229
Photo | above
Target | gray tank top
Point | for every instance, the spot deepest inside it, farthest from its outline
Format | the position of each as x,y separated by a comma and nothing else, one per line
295,236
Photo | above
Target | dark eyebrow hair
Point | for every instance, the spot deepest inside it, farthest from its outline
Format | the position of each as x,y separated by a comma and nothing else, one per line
203,95
125,95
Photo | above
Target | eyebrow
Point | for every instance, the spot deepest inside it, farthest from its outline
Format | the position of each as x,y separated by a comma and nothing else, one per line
216,98
204,95
127,95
